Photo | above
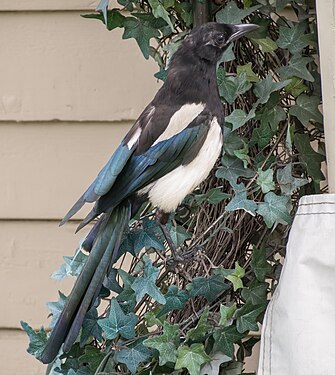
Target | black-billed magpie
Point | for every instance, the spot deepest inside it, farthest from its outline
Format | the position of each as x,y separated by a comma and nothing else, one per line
169,151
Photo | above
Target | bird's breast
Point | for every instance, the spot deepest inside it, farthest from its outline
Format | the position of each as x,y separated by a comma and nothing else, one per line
168,192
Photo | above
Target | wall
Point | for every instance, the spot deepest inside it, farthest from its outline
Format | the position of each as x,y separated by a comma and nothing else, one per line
69,90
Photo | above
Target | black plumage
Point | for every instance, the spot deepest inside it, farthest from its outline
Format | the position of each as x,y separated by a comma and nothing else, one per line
169,150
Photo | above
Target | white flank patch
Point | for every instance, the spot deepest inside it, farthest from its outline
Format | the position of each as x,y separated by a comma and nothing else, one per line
168,192
180,120
134,138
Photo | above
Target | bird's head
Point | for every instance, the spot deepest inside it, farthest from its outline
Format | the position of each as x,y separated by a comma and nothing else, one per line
210,40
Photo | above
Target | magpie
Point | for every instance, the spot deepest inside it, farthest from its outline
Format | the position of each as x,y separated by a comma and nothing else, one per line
170,150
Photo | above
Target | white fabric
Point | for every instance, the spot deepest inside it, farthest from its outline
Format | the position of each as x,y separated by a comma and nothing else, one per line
298,335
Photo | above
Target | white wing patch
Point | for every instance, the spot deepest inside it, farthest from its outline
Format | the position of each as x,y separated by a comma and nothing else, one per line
167,192
134,138
180,120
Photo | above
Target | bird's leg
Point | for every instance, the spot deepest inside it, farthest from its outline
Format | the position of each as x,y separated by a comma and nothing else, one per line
162,218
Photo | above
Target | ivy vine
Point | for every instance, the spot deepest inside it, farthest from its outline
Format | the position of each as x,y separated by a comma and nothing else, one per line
197,317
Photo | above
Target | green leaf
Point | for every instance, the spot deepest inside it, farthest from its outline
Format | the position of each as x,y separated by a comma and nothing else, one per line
264,88
146,284
232,169
118,322
256,293
228,54
37,340
141,31
265,180
297,68
292,38
233,142
262,135
192,358
213,196
201,329
93,357
272,115
296,87
166,344
90,327
230,87
246,317
56,308
247,69
72,266
175,300
214,366
226,314
306,109
241,202
114,18
210,287
274,209
236,277
288,184
259,264
185,11
178,234
266,44
133,355
225,338
243,154
158,11
311,159
238,118
231,14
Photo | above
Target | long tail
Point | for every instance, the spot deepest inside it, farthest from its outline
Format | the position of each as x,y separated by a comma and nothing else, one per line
104,252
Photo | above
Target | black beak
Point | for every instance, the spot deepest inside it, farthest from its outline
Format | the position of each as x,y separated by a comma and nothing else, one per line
240,30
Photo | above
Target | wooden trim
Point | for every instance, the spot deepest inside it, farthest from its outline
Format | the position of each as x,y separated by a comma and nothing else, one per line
326,34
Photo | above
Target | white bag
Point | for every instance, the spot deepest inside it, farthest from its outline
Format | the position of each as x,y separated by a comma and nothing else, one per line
298,335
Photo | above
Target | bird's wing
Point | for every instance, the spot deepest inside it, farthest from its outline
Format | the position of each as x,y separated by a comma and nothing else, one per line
150,138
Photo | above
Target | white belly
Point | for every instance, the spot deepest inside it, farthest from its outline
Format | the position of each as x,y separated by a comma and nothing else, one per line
169,191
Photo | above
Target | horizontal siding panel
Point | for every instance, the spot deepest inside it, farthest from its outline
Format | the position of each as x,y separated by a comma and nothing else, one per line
45,167
30,252
15,359
60,66
33,5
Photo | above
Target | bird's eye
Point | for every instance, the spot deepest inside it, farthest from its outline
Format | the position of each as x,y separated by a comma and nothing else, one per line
220,39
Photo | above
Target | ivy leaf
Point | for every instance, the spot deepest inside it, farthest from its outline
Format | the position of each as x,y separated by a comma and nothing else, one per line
213,196
118,322
236,277
262,135
265,180
297,68
296,87
175,300
233,142
256,292
102,7
185,11
288,184
179,234
192,358
166,344
225,338
232,86
146,284
90,327
214,367
133,355
274,209
264,88
238,118
272,115
159,11
232,169
243,154
246,317
231,14
228,54
241,202
309,157
112,19
306,109
266,44
247,69
92,356
56,308
292,38
259,263
141,31
37,340
72,266
226,314
201,329
209,287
